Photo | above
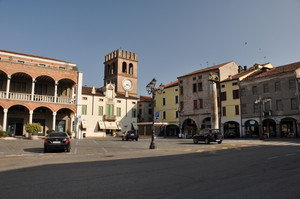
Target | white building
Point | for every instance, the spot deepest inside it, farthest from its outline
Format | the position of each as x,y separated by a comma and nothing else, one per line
111,109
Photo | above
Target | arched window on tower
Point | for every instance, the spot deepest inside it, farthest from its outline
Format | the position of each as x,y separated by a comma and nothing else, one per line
114,69
131,69
124,68
109,70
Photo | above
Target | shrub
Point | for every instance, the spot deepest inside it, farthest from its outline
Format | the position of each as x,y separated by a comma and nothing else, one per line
69,132
3,133
49,131
33,128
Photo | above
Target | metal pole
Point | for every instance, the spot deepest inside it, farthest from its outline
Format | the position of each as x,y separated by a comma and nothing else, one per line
152,144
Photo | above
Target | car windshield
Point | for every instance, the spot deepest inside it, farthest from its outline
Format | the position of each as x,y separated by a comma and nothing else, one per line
215,130
57,135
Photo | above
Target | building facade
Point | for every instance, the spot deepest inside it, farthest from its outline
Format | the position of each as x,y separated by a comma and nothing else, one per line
145,109
37,89
112,109
270,102
166,108
198,96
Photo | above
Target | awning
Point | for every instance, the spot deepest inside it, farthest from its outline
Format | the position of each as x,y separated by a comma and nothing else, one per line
111,125
135,126
251,123
84,124
101,125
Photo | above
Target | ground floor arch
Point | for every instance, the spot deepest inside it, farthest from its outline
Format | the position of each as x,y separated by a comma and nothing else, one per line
206,123
231,129
251,128
269,128
172,130
189,127
289,127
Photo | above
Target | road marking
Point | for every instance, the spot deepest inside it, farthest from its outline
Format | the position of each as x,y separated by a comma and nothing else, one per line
244,145
77,143
96,142
237,148
225,147
187,149
199,151
290,154
75,151
104,150
213,147
274,157
232,144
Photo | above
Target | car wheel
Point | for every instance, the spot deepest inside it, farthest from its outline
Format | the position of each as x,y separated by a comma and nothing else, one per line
220,142
206,141
136,139
195,141
122,139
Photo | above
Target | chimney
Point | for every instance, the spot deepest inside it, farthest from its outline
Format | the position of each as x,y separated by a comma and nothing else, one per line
230,77
93,90
245,67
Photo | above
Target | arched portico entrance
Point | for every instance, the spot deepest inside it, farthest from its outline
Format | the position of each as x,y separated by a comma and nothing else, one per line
17,116
252,128
269,127
288,127
43,116
231,129
189,128
206,123
64,119
172,130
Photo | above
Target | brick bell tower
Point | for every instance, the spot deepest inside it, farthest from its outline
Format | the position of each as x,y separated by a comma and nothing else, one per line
120,68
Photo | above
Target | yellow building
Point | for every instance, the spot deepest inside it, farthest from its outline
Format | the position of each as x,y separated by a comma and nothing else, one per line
231,103
166,106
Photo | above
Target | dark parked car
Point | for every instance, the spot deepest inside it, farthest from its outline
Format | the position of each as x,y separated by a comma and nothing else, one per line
57,141
133,135
208,135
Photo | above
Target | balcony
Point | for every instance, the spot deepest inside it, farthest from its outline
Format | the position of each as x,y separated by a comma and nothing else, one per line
37,98
110,118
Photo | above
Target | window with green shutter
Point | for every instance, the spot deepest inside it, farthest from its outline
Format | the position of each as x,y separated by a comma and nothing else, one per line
84,110
134,113
110,109
118,112
100,110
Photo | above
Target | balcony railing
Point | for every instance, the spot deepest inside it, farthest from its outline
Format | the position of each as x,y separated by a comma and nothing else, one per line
37,98
110,118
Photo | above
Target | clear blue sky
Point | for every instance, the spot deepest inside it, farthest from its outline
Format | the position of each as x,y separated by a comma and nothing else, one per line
171,37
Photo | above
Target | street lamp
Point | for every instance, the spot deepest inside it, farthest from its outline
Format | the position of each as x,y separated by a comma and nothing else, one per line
261,101
151,90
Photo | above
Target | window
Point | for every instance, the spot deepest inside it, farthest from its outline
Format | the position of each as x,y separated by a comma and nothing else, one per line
235,94
254,90
118,101
200,77
237,110
84,110
223,96
224,111
21,62
150,111
101,100
181,90
62,68
279,105
124,67
133,102
277,86
42,65
181,105
176,99
100,110
266,88
41,89
200,86
255,108
110,109
130,69
176,114
292,84
244,108
267,106
134,113
164,115
1,84
294,104
194,88
234,83
84,98
118,112
18,86
0,58
194,78
195,104
200,103
223,86
164,102
176,90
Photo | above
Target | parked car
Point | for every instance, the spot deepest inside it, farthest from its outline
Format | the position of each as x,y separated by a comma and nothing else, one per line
208,135
57,141
133,135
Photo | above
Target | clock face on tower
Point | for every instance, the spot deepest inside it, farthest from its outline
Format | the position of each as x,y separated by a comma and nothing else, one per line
127,84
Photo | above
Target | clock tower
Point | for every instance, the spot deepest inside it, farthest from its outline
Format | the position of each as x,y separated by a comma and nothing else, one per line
120,68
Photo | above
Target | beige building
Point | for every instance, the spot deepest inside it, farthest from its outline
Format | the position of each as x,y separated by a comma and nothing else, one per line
198,94
112,109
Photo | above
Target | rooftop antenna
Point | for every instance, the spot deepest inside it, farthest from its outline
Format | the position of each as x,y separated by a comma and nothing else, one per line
207,64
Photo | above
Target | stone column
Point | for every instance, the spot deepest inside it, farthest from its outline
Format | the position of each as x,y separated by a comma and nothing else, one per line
55,92
32,89
30,116
7,86
215,119
53,120
72,122
4,119
278,130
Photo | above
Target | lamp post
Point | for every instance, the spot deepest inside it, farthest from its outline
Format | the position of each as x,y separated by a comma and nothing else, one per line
151,90
261,101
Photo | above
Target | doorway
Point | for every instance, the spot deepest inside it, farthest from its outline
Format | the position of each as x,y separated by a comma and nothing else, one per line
15,127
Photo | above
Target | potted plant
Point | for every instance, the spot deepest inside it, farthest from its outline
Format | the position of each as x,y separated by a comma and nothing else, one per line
3,133
32,129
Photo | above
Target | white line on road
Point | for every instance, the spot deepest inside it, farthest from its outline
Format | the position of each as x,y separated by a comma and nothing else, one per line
274,157
96,142
290,154
77,143
104,150
75,151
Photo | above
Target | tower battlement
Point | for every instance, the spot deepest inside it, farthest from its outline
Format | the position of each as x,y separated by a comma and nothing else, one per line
122,54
